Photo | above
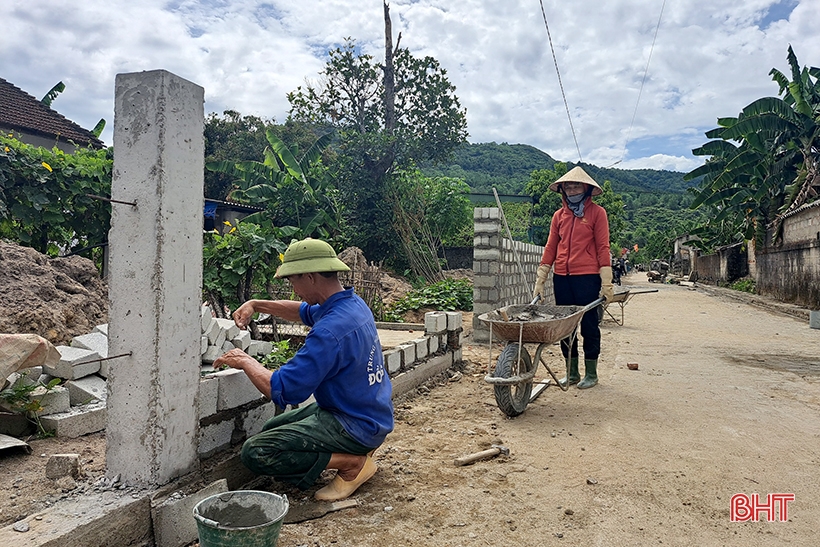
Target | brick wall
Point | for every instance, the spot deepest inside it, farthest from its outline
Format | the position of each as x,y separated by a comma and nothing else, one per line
498,280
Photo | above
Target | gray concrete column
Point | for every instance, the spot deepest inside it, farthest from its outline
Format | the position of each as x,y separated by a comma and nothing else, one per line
155,277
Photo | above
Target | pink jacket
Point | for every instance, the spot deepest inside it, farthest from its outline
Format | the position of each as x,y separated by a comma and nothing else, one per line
578,246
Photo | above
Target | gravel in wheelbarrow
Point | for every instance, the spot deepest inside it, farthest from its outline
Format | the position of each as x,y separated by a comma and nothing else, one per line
532,323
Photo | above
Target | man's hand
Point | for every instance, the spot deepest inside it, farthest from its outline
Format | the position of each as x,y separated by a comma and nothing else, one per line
257,374
242,316
235,358
607,290
540,280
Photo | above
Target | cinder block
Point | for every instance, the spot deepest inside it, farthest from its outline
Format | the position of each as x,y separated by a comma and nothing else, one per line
229,326
212,354
87,389
454,320
63,465
265,348
15,424
435,322
206,317
54,400
235,389
214,438
102,329
408,352
203,344
32,373
78,421
435,342
94,341
174,525
242,340
392,360
208,393
257,417
74,363
486,254
215,334
422,348
227,346
253,348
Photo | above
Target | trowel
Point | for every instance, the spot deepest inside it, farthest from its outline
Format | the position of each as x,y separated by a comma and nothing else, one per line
314,510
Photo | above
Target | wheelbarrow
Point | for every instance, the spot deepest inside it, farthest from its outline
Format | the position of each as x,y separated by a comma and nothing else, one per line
514,374
621,298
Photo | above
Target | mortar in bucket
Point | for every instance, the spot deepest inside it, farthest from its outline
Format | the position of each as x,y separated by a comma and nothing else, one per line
241,518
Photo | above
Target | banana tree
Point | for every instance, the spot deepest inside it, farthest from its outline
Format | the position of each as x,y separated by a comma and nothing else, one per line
773,169
293,192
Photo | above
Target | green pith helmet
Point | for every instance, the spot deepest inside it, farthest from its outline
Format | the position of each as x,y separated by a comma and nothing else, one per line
309,256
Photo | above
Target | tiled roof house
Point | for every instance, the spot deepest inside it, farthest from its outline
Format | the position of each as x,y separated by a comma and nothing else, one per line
34,123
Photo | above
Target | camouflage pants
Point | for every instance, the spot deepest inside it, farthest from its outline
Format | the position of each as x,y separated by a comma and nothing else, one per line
295,446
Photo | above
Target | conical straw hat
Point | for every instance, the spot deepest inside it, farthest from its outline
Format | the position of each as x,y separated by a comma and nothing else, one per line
576,174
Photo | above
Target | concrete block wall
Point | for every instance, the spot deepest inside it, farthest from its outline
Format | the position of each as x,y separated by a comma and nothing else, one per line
498,280
230,409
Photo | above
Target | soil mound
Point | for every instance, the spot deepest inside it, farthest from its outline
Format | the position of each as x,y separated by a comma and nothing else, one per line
57,298
392,288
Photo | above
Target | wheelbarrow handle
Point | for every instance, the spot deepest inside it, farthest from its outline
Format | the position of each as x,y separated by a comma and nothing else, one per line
586,308
593,304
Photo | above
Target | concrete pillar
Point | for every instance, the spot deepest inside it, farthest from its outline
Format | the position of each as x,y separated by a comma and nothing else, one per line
155,277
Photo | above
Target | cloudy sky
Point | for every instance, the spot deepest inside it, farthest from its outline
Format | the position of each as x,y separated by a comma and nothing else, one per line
710,59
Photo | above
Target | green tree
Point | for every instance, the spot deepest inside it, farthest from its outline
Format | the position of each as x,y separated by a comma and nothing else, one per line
47,197
294,192
231,137
389,116
774,166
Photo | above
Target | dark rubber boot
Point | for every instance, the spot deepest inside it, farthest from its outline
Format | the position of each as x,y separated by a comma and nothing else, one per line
574,375
590,374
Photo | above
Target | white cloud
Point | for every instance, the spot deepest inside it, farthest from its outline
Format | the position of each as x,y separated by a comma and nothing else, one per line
709,60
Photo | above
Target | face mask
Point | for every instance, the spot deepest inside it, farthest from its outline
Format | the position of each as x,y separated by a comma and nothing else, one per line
578,198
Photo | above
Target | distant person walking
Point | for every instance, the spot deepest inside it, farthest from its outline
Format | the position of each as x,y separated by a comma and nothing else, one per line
577,252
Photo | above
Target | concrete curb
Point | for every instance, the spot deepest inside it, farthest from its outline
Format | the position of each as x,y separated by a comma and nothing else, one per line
758,301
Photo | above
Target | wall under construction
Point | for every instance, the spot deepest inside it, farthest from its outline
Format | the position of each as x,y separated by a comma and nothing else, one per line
504,269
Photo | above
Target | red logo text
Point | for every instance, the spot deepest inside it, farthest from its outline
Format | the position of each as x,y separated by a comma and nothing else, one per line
775,507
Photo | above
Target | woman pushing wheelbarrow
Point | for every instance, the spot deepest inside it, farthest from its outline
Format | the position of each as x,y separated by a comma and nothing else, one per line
577,253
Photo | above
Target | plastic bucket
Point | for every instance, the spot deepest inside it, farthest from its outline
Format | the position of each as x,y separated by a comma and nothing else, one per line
242,518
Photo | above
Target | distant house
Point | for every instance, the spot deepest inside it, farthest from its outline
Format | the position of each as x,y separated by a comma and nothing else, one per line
34,123
218,212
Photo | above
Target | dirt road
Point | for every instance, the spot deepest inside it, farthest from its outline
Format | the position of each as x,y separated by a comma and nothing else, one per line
725,401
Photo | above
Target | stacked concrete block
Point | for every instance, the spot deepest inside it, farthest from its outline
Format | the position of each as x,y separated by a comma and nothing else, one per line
498,263
86,390
222,335
74,363
234,389
392,360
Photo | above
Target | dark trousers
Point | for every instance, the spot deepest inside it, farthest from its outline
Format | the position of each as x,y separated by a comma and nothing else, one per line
580,290
295,446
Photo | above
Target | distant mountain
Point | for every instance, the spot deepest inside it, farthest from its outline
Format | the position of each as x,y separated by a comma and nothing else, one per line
507,167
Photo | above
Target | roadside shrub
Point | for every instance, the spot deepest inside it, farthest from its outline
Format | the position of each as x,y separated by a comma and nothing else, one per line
745,285
446,295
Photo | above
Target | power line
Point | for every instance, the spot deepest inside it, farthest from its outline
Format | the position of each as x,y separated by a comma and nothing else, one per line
560,83
643,81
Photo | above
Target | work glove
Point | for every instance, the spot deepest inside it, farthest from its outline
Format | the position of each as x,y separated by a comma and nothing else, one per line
607,290
540,280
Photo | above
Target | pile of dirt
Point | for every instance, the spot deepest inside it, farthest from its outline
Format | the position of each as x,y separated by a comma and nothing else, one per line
392,288
57,298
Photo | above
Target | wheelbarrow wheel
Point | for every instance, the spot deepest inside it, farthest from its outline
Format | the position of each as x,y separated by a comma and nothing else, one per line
513,400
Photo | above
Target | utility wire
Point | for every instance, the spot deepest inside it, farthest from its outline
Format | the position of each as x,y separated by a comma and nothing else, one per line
643,81
560,83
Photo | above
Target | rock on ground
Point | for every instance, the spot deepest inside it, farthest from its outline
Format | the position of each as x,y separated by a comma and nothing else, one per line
57,298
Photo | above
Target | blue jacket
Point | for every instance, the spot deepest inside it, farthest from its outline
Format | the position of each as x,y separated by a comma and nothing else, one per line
341,364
